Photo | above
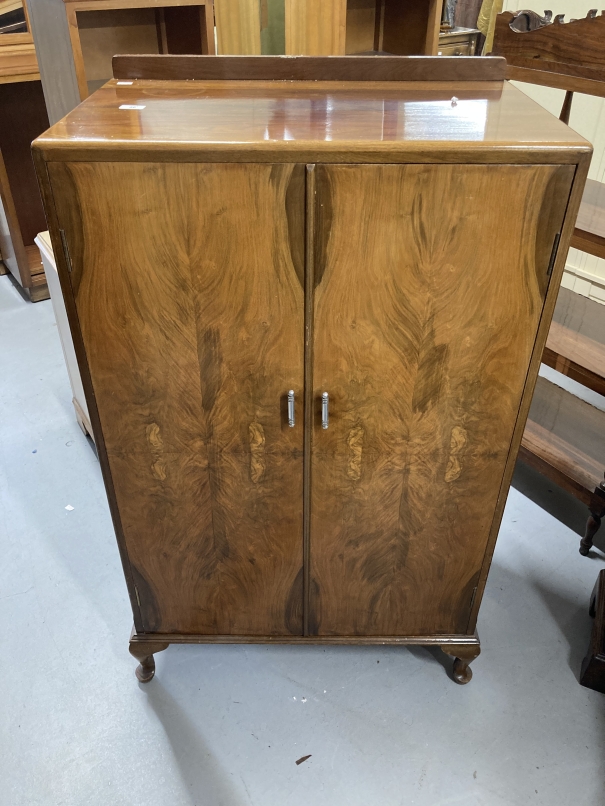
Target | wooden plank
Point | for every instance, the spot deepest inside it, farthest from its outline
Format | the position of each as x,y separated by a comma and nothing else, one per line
567,437
559,80
18,60
316,27
96,5
200,277
587,242
237,27
576,341
442,641
309,68
421,413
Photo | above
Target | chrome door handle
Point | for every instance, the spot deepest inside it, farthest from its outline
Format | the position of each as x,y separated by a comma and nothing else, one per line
291,415
325,399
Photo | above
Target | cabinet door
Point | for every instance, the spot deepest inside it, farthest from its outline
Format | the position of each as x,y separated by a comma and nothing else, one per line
429,286
188,286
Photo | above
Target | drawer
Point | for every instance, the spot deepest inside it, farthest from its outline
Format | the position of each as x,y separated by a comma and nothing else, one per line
456,49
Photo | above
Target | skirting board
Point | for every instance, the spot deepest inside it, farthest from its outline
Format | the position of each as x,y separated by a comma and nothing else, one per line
585,283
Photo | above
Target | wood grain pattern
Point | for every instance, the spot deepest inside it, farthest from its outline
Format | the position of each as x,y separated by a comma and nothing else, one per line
313,122
432,382
425,372
309,68
316,27
191,312
575,46
571,211
238,27
569,56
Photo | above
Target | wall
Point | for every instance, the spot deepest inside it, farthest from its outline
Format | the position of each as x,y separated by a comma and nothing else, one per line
584,273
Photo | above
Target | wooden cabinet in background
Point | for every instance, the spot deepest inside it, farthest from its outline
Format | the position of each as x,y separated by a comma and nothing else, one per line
458,42
22,118
99,29
328,27
324,304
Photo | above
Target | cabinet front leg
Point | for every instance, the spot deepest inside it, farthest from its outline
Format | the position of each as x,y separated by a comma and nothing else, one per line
464,655
143,651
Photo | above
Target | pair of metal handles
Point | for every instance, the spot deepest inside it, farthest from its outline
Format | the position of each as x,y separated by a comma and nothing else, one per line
325,416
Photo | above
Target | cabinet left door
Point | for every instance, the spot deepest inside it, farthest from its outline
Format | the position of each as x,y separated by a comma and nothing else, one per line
188,286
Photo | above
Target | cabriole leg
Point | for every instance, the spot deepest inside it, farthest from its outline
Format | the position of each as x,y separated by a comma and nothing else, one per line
464,655
143,651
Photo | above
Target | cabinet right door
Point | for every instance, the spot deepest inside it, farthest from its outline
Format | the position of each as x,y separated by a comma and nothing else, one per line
428,290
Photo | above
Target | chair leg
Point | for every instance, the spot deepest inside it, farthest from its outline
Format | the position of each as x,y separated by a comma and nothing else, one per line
597,511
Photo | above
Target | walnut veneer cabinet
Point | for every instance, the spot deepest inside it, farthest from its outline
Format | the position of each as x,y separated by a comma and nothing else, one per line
309,314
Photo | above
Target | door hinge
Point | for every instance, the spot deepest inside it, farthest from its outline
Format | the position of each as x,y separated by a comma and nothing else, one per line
553,254
473,597
136,593
66,250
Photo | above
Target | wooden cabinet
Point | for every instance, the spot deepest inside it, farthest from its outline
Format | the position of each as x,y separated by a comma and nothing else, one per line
24,117
98,29
327,27
309,317
458,42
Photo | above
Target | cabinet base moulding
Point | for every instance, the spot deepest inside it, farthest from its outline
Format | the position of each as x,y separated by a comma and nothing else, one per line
463,648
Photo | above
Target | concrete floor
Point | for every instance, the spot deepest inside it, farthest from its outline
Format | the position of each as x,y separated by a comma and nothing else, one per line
224,725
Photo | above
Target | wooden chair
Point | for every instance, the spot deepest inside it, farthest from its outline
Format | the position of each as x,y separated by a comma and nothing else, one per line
565,437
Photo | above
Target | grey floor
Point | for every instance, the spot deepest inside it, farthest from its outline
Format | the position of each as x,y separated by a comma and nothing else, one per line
224,725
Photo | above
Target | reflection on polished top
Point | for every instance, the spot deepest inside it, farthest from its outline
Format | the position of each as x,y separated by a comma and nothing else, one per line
318,116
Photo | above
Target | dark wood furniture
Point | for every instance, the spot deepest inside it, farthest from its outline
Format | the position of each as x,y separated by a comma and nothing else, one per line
324,303
569,56
592,674
24,117
565,437
567,444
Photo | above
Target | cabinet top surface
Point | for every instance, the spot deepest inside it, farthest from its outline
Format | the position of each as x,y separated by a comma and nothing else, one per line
307,119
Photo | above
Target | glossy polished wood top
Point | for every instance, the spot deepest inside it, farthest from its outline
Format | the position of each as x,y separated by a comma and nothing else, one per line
313,121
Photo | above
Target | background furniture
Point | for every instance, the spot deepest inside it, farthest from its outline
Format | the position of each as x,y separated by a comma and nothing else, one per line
565,437
327,27
50,268
277,472
592,673
458,42
101,28
24,117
